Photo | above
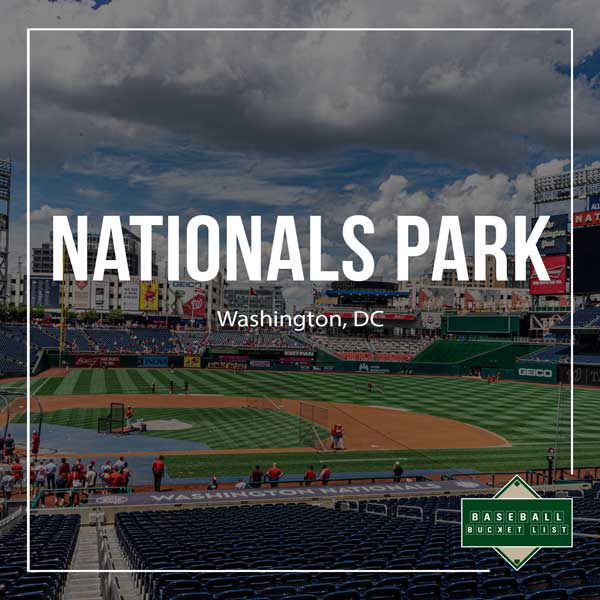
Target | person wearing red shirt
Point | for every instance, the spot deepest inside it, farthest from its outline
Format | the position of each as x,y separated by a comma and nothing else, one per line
325,475
158,470
129,417
17,472
339,437
115,481
63,468
35,444
310,475
274,474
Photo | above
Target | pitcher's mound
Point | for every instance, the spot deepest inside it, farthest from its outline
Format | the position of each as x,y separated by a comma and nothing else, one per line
167,425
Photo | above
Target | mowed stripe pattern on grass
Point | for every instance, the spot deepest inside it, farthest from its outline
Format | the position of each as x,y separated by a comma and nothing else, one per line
217,427
524,414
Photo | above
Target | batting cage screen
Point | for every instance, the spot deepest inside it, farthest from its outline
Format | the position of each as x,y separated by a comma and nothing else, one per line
311,423
114,422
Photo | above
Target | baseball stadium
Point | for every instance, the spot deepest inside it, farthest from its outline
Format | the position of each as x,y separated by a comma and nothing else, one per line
342,453
150,450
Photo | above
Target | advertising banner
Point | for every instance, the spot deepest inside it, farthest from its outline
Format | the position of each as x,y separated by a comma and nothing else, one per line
555,235
45,291
587,218
594,202
80,294
153,362
536,371
148,298
95,361
191,362
186,299
130,295
434,298
485,299
431,320
100,295
557,270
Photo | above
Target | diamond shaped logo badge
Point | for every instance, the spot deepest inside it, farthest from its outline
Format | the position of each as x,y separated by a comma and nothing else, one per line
517,522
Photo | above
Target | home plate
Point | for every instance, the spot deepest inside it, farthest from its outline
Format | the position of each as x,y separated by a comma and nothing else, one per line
166,425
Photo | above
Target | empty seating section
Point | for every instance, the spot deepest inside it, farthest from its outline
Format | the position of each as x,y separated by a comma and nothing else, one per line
361,348
555,353
582,318
53,540
13,349
296,537
586,359
398,348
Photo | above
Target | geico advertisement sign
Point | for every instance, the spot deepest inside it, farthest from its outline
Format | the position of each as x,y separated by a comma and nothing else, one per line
529,372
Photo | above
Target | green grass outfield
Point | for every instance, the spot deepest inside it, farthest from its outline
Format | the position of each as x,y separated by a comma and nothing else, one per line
524,414
219,428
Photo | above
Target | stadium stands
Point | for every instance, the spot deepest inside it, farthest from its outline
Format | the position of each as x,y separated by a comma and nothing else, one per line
310,537
192,342
53,540
113,340
583,318
554,353
361,348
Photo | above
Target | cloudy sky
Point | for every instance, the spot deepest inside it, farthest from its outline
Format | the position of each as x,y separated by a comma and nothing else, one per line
269,123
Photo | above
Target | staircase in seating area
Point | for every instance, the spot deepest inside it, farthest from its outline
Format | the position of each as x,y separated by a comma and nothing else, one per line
125,581
87,586
84,586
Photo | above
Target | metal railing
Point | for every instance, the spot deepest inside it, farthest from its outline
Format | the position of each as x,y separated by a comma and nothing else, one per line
406,507
109,582
437,519
376,508
36,502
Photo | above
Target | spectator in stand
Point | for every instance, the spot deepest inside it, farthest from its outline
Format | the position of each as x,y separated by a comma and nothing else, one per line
105,472
397,470
257,476
35,444
79,468
158,471
40,477
76,485
91,477
125,476
119,463
115,480
9,448
64,468
7,483
310,476
325,475
61,483
17,472
50,469
274,474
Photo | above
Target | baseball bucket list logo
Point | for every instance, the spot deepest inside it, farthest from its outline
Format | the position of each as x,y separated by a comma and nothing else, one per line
517,522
